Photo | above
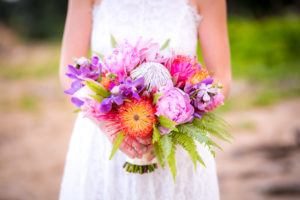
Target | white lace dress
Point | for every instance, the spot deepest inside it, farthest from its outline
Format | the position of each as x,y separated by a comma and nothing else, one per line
88,174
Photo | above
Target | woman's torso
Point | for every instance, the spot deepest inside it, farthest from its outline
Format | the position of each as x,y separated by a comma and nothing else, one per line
160,20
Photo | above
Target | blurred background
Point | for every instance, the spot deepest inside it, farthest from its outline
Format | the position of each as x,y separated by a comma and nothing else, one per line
264,107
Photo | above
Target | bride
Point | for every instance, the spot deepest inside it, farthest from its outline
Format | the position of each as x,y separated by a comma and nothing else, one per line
88,172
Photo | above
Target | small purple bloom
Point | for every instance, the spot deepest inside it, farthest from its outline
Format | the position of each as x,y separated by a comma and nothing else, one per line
77,101
201,95
75,86
125,90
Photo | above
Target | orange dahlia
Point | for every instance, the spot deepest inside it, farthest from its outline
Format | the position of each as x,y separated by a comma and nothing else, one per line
136,118
199,76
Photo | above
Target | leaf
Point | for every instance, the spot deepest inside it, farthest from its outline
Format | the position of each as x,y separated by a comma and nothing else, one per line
117,143
99,55
156,96
96,97
98,89
166,144
165,45
159,153
77,110
172,162
192,131
167,123
189,145
156,134
113,41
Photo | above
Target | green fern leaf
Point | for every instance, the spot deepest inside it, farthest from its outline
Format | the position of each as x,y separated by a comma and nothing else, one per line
117,143
156,134
193,132
172,162
167,123
189,145
166,144
159,154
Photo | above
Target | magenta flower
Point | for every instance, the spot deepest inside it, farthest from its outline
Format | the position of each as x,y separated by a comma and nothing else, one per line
182,68
174,104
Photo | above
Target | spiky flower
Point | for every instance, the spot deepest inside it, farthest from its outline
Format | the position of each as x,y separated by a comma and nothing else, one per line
136,118
155,74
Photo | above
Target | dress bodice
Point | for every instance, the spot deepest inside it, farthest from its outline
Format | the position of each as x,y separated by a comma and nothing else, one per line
160,20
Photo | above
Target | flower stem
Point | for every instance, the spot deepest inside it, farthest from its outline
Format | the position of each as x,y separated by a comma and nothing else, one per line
139,169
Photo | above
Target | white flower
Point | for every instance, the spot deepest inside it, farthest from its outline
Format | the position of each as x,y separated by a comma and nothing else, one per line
155,74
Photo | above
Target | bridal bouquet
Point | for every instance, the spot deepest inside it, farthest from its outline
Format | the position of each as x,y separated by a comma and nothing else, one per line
150,94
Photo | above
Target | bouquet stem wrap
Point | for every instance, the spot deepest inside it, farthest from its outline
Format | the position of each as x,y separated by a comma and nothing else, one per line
140,165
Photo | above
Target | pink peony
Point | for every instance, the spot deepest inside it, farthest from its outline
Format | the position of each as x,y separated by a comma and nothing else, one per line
217,101
148,51
122,60
174,104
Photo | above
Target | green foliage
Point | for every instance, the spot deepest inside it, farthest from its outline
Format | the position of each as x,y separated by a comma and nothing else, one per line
77,110
117,143
113,41
98,89
96,97
156,134
156,96
165,45
166,144
172,162
189,145
159,153
167,123
192,131
99,55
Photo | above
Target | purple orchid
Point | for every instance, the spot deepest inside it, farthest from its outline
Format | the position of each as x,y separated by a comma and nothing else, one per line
83,70
125,90
86,69
201,95
130,87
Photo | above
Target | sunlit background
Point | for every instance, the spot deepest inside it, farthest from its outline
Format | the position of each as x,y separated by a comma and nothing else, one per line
36,119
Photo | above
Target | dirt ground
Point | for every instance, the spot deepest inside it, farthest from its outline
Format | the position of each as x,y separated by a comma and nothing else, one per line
262,163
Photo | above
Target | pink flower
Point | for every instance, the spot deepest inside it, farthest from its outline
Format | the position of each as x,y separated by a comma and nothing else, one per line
148,51
174,104
90,108
182,68
218,100
122,60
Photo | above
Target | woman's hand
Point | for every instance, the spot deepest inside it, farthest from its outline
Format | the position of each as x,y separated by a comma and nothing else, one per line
132,148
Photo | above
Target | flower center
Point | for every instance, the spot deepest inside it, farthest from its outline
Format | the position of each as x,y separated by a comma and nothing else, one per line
136,117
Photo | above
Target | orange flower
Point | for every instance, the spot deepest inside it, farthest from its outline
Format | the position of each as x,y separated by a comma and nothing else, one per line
199,76
105,82
137,118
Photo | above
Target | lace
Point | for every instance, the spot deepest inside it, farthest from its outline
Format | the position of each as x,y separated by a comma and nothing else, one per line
89,174
176,20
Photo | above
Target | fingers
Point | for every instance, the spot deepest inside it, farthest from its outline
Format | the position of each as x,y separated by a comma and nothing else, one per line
150,156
